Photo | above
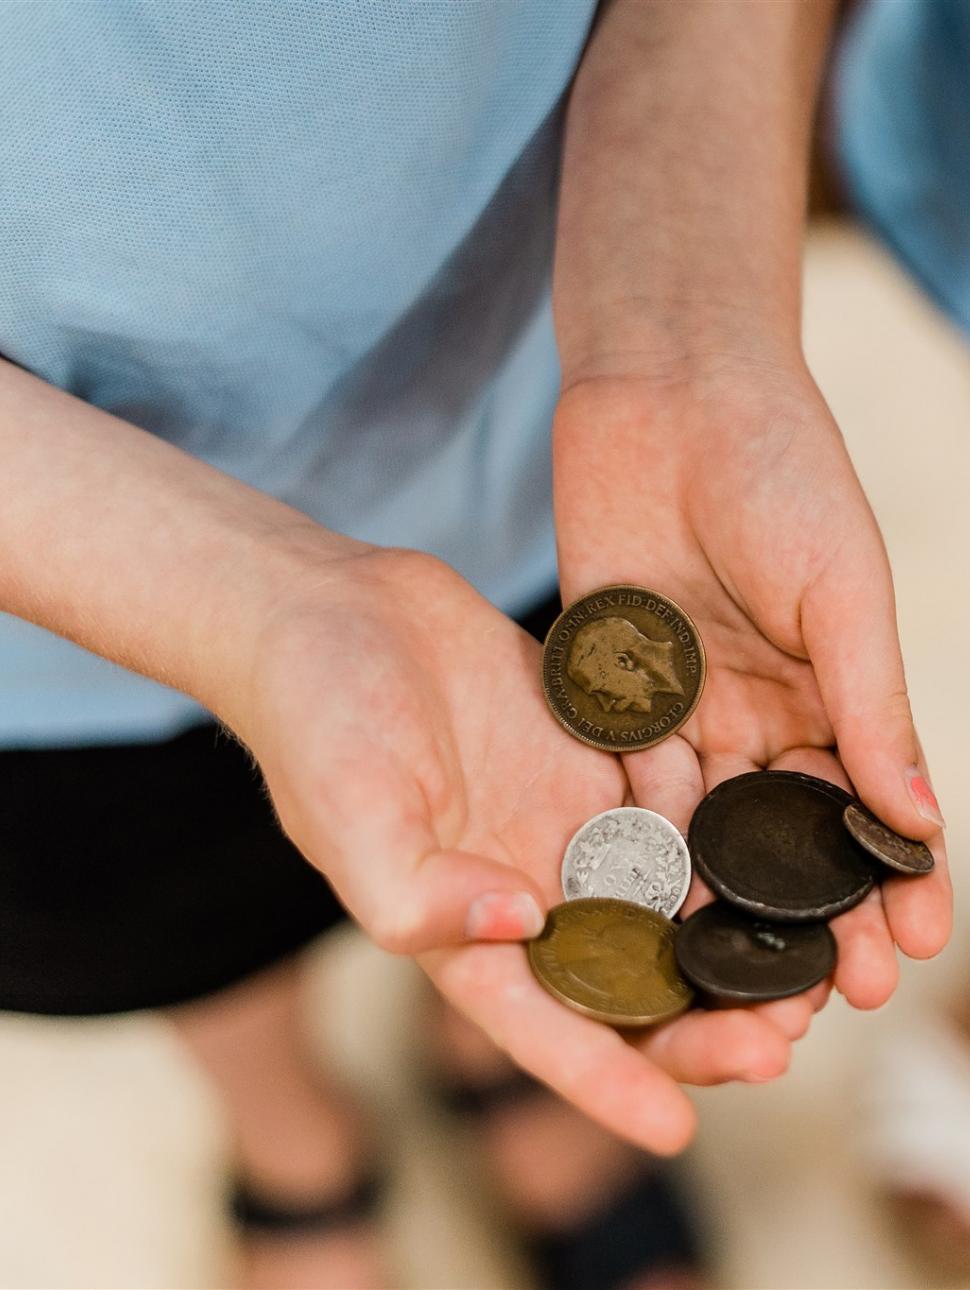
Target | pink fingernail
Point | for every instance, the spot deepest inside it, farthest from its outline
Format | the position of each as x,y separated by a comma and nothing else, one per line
924,799
504,916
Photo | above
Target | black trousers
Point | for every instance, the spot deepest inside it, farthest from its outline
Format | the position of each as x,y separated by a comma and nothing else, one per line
137,876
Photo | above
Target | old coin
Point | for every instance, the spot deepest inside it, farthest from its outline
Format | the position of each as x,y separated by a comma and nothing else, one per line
773,843
902,854
623,668
631,854
733,958
612,961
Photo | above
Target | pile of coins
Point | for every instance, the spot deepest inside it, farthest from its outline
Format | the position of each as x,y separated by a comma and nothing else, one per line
623,668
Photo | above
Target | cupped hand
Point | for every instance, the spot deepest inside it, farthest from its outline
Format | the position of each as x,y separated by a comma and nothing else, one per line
400,724
732,492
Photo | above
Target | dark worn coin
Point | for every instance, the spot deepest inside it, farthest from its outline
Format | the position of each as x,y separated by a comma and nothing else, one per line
733,958
623,668
902,854
773,843
611,960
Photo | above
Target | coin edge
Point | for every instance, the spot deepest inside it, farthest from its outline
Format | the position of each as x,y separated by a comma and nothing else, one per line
890,864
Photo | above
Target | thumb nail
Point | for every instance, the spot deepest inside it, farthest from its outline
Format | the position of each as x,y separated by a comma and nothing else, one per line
923,797
504,916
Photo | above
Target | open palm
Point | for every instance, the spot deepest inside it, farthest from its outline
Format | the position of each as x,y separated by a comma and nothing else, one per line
735,496
410,754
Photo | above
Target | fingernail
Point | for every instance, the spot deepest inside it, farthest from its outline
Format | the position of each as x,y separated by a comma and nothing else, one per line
504,916
924,799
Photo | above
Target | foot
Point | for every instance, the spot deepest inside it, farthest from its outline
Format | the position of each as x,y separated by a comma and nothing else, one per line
300,1137
552,1167
334,1261
326,1239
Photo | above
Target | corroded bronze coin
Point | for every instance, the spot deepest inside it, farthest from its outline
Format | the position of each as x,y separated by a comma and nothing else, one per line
733,958
902,854
623,668
611,960
773,843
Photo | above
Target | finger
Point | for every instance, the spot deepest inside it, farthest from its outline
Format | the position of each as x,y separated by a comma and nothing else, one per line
792,1016
920,913
587,1063
849,629
867,971
448,898
410,895
667,779
920,910
820,762
819,995
720,766
714,1047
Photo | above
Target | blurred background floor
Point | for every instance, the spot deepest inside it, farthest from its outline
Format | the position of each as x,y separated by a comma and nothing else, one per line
112,1145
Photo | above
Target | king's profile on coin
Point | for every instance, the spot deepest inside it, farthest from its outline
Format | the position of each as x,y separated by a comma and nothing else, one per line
623,668
620,666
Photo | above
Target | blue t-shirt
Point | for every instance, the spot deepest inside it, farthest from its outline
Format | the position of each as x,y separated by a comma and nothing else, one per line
306,240
904,136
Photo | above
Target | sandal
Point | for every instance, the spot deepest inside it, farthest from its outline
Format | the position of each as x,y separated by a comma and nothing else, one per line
642,1231
257,1213
332,1242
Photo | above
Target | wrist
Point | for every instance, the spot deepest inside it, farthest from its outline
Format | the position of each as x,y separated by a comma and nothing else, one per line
266,573
671,344
685,396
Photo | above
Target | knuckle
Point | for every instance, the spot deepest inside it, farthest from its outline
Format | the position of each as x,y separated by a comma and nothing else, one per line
898,707
396,927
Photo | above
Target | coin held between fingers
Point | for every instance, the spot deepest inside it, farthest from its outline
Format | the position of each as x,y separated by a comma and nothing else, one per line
899,853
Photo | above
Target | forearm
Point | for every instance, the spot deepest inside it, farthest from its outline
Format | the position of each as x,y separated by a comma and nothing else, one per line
683,192
134,549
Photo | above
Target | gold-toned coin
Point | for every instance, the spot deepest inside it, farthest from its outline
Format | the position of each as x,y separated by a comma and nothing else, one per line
623,668
611,960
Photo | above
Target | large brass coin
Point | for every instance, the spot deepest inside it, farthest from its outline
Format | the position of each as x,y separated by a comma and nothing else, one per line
611,960
623,668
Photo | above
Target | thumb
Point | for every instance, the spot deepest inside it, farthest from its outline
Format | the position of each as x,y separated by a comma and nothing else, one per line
411,896
451,897
849,629
374,840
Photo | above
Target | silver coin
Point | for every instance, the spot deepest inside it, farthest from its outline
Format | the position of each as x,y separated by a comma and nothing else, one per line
629,854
